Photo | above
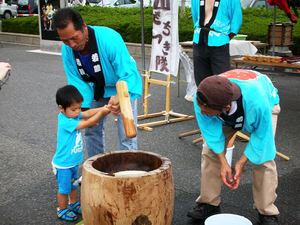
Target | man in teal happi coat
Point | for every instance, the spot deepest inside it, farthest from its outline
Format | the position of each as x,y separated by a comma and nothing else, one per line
224,104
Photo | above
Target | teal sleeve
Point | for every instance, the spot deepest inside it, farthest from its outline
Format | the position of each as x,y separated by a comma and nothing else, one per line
211,129
236,16
261,146
124,65
272,90
195,12
73,77
70,124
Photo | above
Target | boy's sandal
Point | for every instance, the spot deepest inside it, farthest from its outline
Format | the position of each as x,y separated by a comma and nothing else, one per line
75,207
66,214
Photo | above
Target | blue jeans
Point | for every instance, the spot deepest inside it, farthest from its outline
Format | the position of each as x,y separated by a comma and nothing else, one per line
95,136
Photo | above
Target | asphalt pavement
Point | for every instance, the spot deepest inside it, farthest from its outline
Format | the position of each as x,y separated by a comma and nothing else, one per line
28,137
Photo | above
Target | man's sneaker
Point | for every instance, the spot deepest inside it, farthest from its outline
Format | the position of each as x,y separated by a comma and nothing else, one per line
268,220
202,210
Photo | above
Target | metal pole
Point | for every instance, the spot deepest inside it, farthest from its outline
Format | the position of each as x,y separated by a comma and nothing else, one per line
142,36
273,31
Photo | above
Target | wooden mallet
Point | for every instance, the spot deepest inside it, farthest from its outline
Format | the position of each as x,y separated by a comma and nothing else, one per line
126,110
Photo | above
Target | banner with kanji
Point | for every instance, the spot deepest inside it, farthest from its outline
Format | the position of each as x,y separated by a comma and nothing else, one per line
165,43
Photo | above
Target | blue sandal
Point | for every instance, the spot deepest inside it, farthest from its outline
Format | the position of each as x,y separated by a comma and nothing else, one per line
75,207
66,214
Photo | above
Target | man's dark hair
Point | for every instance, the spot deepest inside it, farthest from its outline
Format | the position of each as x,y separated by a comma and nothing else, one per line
62,18
67,95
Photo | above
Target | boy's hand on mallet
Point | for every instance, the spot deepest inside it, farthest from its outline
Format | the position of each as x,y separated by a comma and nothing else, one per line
104,110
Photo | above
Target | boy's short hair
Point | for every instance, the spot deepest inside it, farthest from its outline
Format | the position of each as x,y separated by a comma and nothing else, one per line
67,95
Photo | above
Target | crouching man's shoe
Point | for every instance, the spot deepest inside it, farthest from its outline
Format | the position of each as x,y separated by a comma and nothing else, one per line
202,210
268,220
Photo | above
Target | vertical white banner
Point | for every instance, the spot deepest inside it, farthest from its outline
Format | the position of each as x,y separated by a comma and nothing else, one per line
165,41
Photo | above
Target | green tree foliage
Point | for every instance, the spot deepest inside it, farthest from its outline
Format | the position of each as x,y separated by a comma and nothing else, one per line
24,25
127,21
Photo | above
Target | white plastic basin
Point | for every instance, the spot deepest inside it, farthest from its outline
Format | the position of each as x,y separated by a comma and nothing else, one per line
227,219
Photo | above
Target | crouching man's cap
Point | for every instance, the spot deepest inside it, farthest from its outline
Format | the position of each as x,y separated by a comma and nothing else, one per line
217,92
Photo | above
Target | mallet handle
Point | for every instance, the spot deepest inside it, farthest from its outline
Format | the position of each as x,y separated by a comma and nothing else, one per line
126,110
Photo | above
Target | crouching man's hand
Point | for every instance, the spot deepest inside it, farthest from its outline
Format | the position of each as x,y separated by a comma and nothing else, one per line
226,172
239,166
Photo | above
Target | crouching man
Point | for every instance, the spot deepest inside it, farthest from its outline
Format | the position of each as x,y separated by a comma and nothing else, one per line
224,104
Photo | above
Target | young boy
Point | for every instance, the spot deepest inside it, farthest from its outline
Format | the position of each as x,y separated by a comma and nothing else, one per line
69,150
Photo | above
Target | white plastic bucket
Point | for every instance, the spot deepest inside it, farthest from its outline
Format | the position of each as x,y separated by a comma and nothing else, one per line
227,219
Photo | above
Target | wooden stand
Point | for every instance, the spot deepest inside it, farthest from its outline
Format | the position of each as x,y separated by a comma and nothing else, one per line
231,141
195,141
167,113
245,137
189,133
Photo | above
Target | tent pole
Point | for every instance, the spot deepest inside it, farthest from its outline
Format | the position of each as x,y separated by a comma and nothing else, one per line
273,30
142,36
